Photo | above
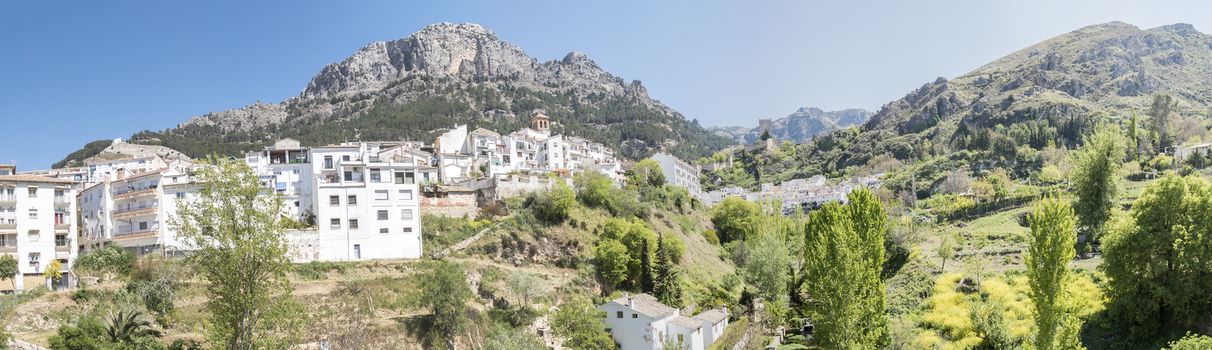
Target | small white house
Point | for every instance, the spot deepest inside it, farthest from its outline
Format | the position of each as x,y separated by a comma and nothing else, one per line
641,322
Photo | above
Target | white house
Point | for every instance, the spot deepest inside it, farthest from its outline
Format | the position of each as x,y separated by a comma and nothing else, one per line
679,173
286,168
640,322
37,226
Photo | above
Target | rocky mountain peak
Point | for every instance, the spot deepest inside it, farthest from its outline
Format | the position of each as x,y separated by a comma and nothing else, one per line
1181,29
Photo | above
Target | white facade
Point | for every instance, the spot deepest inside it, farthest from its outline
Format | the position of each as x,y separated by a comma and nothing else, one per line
37,226
285,167
136,212
367,207
679,173
640,322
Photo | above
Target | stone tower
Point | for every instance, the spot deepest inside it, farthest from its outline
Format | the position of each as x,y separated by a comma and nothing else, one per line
540,122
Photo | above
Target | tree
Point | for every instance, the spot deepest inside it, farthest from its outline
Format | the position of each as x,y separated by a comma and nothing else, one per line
950,244
8,268
612,260
1133,139
667,282
735,218
593,188
240,251
766,267
445,293
1053,233
1163,112
1156,258
505,338
646,174
54,271
843,256
555,204
525,287
108,259
1192,342
582,325
1096,179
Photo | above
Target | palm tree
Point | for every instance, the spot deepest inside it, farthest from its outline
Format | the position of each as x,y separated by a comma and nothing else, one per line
127,324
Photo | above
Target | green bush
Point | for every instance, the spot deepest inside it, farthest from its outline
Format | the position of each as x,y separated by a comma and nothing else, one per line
554,205
317,270
109,259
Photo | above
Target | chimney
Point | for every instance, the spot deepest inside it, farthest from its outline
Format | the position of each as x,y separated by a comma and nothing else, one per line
627,295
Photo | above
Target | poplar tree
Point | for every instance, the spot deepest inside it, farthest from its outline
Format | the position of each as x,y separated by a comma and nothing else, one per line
1096,179
240,252
843,255
1050,249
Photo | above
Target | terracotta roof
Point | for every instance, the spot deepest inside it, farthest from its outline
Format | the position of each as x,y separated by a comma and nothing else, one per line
714,316
33,178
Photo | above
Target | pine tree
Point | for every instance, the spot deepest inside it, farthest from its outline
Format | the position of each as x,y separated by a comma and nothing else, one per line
667,286
1053,232
646,268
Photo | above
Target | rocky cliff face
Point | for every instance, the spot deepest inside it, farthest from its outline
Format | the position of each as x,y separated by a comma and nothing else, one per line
801,126
442,75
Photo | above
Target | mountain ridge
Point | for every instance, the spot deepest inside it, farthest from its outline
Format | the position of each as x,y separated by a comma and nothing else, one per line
442,75
800,126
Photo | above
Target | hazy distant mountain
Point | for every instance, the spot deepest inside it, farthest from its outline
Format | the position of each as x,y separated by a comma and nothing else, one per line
442,75
800,126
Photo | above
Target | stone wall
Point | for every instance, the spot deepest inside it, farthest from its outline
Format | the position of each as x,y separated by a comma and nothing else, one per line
451,204
304,245
506,186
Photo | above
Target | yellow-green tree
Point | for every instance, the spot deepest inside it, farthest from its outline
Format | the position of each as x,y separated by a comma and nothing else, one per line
1096,179
843,257
1050,248
236,233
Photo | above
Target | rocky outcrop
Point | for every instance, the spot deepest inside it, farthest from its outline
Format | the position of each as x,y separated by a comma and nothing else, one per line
124,150
801,126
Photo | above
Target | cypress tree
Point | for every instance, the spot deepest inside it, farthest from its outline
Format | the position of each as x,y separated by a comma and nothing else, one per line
667,286
1053,232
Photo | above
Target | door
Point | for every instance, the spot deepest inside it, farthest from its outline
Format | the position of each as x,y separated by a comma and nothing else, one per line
358,251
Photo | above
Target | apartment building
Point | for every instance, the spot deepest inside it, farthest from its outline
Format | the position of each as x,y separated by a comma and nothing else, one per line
8,169
679,173
37,226
286,168
136,210
367,205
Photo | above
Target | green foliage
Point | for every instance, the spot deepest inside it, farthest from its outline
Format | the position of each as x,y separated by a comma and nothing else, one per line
1049,174
125,329
843,259
241,253
595,190
613,261
1096,179
1192,342
446,293
1156,258
316,270
126,325
555,204
766,266
667,281
735,218
948,247
505,338
1162,112
8,267
109,259
1053,233
155,282
582,325
77,158
646,174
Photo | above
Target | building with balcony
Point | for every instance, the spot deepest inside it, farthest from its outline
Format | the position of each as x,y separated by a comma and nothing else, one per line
133,210
285,167
679,173
37,226
367,201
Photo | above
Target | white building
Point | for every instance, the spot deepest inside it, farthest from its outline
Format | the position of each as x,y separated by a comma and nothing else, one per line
135,211
37,226
641,322
367,206
679,173
286,168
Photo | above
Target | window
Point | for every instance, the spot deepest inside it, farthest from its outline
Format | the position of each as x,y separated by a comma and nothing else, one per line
406,214
143,226
345,158
334,223
348,176
408,230
34,258
61,240
380,195
180,195
382,215
353,223
8,240
619,314
383,230
33,213
635,315
374,176
353,199
334,200
34,235
33,192
327,162
405,194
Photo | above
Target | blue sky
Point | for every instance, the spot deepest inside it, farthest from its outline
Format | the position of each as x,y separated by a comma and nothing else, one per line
76,71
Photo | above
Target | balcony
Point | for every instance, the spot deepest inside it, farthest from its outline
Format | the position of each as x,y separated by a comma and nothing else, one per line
134,212
63,226
62,202
8,224
135,193
8,199
136,234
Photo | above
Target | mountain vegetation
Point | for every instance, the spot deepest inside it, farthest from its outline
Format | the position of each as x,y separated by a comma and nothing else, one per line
446,74
801,126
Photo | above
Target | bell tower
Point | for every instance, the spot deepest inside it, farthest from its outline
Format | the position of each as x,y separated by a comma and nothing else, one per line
540,122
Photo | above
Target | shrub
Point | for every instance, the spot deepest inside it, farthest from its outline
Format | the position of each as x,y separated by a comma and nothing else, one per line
110,259
555,204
